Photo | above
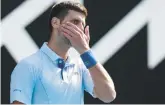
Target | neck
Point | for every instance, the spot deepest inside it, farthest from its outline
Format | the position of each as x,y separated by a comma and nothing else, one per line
59,49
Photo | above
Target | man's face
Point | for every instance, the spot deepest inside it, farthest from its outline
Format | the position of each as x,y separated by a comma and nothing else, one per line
77,19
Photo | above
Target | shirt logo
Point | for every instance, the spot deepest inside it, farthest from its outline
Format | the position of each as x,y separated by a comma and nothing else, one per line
16,90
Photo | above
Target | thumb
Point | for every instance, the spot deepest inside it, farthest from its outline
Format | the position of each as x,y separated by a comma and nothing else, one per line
87,31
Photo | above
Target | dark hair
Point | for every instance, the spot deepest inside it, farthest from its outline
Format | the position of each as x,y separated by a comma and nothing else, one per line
60,10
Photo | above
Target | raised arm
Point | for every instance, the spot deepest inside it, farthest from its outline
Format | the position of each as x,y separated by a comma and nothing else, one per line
103,84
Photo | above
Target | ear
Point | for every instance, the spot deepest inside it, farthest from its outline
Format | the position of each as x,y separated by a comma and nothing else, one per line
55,22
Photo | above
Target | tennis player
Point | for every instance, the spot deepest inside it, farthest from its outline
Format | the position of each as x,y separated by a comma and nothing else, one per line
51,76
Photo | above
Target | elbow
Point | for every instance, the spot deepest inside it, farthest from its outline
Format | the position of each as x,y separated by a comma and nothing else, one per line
105,92
110,97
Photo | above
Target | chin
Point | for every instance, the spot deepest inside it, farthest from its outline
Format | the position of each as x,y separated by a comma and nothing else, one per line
66,41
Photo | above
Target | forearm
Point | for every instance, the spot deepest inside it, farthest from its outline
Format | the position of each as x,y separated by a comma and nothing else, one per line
103,84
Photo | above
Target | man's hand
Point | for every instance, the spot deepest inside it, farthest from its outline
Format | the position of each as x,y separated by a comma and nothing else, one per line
78,39
103,85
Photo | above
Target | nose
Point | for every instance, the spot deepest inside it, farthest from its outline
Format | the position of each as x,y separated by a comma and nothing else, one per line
81,26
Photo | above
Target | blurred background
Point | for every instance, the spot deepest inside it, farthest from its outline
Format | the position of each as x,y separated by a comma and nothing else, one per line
127,36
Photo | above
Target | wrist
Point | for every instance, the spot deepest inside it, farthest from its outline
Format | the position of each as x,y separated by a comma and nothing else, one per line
88,59
81,51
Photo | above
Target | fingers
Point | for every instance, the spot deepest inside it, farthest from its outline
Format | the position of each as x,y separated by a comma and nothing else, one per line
74,31
67,31
70,30
67,36
74,27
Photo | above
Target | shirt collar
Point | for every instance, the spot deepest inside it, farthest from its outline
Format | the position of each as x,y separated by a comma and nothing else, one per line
51,54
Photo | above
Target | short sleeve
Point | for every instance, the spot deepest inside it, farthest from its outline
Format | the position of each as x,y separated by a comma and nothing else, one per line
87,81
22,83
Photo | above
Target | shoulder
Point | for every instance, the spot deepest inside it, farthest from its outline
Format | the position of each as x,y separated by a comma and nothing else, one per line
30,64
33,60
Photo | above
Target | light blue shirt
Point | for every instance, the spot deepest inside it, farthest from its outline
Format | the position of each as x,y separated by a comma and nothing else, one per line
37,79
